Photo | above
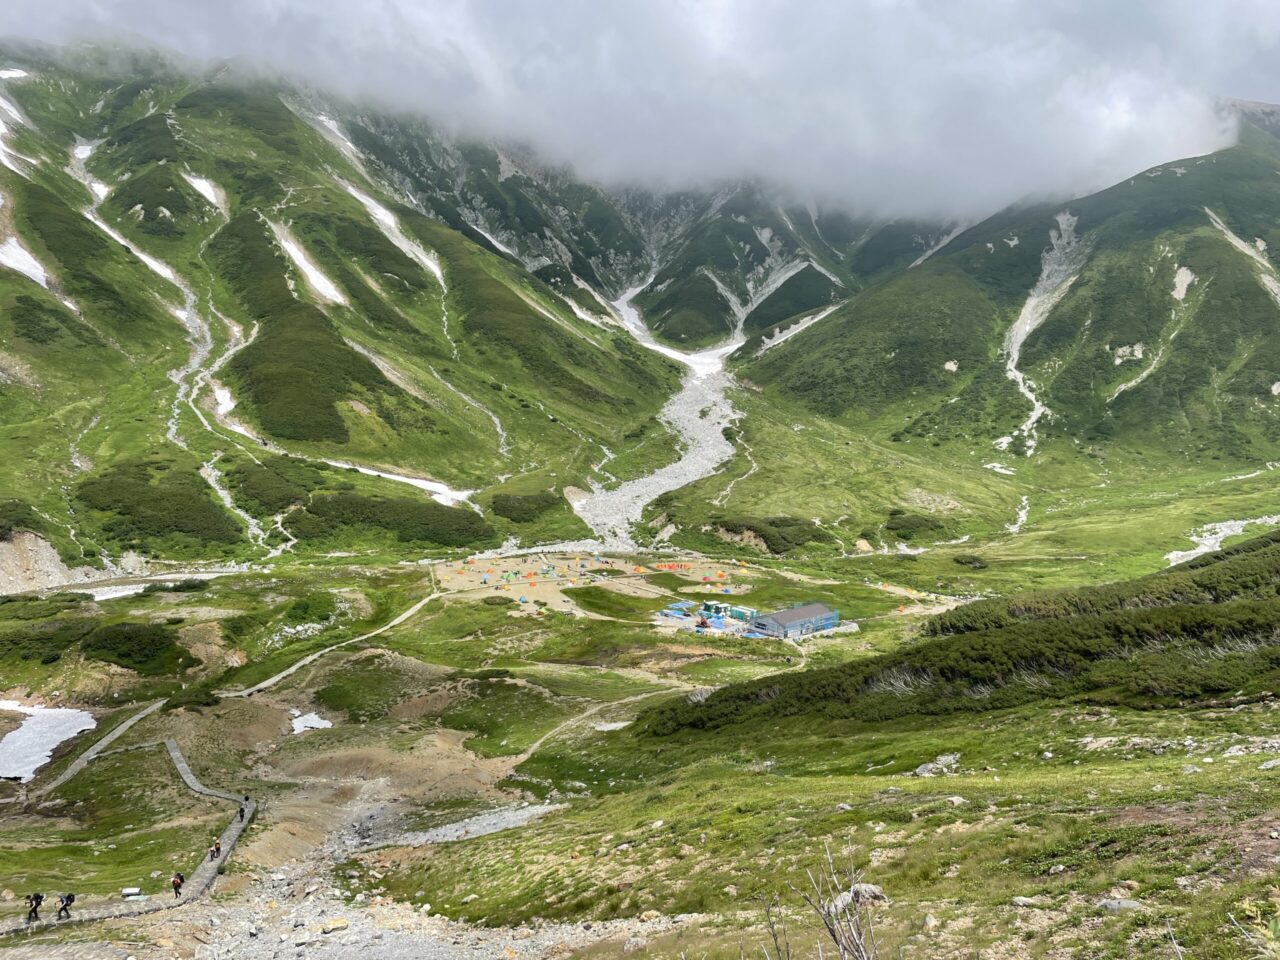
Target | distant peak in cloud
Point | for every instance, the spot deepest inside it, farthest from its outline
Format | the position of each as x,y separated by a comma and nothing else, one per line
901,107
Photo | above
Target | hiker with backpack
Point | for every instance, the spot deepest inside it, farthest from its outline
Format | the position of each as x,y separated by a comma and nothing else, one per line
33,906
217,849
177,881
64,906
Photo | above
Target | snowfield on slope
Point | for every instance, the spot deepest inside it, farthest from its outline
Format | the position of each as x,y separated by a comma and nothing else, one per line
324,288
27,749
16,257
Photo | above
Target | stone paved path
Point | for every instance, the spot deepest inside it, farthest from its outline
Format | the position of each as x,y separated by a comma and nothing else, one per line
82,761
197,884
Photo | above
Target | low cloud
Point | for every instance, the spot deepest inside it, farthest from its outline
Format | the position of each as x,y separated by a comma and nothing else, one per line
902,107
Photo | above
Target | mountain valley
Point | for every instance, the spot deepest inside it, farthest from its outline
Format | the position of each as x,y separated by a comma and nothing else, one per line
433,497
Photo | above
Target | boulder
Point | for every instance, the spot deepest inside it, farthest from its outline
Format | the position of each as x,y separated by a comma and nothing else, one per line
857,895
1119,905
334,924
649,916
1023,901
1056,869
942,764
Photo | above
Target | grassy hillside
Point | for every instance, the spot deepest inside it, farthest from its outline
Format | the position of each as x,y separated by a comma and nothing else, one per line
1191,633
1121,360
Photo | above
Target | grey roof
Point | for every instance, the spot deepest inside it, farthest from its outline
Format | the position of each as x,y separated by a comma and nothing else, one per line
805,611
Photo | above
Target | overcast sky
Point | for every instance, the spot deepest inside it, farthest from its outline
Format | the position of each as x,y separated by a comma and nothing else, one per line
902,106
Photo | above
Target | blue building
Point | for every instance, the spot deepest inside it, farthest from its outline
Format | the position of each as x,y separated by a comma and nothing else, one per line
797,621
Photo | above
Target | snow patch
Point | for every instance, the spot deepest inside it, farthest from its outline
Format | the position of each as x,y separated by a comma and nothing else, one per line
209,190
325,288
476,224
223,400
1011,241
1000,468
440,492
1275,389
27,749
16,257
387,223
308,721
13,73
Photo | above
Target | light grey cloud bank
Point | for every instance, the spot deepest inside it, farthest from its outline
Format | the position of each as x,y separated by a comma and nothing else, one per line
902,106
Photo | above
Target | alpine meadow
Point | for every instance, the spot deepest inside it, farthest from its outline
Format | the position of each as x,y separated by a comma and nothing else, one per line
417,543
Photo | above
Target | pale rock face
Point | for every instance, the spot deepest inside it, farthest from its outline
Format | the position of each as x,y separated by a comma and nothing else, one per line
1131,352
951,366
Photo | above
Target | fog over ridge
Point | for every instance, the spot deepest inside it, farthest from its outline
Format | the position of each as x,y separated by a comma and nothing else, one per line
901,107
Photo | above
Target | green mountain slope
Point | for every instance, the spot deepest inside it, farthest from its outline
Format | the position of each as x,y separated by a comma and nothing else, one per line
1162,336
201,256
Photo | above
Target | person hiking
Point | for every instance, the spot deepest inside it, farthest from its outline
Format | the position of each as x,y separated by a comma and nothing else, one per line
217,849
64,906
212,854
242,813
177,881
33,906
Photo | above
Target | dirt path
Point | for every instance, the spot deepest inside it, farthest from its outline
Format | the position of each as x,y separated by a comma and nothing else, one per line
313,657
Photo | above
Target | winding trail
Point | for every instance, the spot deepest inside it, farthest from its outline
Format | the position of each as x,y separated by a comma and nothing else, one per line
313,657
197,884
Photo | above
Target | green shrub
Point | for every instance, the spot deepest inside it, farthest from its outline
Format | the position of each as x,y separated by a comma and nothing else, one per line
411,520
298,368
525,508
190,585
313,608
16,517
907,526
146,648
192,698
153,499
780,534
1126,643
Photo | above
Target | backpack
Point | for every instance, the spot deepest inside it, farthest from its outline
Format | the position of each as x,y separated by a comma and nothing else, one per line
37,899
70,898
